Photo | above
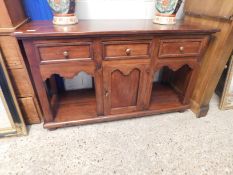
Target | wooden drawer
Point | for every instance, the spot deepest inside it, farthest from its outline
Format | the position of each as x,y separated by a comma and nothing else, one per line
180,47
65,51
29,110
11,52
21,82
126,49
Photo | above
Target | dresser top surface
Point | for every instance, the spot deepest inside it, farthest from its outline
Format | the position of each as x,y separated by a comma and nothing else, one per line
108,27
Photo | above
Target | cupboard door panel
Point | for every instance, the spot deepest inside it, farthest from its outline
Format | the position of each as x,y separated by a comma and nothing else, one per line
124,89
124,85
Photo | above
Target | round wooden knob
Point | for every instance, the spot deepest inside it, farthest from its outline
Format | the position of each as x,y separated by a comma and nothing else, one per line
66,53
106,93
128,52
181,49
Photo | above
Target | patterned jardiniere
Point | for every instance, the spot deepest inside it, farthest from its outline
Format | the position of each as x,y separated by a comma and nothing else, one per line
64,11
166,11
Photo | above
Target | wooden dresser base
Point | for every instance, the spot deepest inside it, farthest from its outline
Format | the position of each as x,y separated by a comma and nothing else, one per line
137,68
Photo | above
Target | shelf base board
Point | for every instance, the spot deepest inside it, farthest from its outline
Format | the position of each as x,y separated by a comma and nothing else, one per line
100,119
79,107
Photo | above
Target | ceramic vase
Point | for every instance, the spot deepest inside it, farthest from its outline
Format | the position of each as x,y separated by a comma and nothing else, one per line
63,11
166,11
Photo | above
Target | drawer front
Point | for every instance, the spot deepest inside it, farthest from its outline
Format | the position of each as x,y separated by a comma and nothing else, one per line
180,47
65,51
29,110
21,82
11,52
128,49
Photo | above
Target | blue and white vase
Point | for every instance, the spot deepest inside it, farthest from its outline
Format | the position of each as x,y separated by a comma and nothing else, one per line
166,11
64,11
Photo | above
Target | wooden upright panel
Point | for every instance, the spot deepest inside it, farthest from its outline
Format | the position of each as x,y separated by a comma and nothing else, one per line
11,51
11,14
29,110
212,13
11,17
214,8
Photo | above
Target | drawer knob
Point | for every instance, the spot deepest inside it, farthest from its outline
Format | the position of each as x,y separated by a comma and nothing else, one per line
66,54
106,93
128,52
181,49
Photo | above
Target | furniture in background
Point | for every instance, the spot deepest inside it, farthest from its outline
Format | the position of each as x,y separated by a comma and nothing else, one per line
37,10
11,17
225,87
11,120
212,13
122,57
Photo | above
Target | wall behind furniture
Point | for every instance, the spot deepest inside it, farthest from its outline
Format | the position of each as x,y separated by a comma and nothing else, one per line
117,9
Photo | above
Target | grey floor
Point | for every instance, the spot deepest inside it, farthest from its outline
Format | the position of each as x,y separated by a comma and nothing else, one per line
171,144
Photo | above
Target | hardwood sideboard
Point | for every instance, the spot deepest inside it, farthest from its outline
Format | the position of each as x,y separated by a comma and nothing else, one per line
122,57
11,17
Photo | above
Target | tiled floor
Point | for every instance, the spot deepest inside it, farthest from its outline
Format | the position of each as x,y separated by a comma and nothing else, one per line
176,143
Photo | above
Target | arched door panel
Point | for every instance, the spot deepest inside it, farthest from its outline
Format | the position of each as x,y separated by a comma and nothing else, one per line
123,88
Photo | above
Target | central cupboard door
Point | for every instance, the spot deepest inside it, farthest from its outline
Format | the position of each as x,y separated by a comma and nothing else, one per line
124,84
